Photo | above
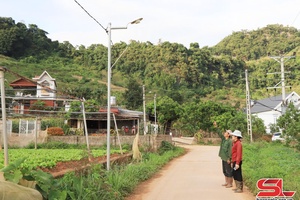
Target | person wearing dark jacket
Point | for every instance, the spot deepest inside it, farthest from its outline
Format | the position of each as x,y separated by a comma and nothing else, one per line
236,160
225,155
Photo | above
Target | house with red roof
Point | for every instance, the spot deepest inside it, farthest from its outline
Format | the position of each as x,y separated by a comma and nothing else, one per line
28,92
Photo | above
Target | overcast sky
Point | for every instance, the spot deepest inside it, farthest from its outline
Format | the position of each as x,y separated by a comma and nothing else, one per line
206,22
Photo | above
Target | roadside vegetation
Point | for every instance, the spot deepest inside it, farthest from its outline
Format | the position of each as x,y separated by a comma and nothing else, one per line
94,182
271,160
49,157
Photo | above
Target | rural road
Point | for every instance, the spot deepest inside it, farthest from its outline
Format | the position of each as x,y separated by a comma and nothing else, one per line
196,175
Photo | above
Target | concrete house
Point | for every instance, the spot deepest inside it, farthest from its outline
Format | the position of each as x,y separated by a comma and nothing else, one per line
270,109
43,88
27,92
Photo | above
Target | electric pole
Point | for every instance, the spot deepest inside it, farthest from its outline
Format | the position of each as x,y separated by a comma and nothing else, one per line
144,108
4,130
248,102
282,59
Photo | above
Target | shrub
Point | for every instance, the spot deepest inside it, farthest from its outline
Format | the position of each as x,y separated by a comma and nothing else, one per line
52,122
267,138
55,131
15,126
166,146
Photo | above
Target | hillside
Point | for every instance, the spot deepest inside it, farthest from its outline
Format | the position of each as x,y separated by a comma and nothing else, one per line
168,69
253,45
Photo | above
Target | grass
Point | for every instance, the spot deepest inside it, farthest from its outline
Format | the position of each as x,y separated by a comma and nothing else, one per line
271,160
121,180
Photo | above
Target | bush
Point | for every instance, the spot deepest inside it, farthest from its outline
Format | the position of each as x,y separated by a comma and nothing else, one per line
53,122
267,138
15,126
55,131
166,146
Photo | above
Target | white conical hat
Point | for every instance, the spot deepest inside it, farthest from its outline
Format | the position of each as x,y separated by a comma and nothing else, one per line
237,133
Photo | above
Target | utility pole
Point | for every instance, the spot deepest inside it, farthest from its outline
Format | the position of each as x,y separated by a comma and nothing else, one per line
155,124
144,108
248,102
282,59
4,131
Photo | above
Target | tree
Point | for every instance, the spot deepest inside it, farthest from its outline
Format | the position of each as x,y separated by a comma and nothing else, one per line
134,94
258,127
166,111
290,122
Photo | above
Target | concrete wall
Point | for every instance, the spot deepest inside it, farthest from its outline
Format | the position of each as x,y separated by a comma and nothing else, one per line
214,141
101,140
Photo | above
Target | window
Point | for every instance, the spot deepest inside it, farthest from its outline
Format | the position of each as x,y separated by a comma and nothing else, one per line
45,88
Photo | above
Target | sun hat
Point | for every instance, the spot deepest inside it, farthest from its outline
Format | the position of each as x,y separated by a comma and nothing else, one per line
229,131
237,133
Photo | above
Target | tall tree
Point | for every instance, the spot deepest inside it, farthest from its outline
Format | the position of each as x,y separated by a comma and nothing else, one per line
134,94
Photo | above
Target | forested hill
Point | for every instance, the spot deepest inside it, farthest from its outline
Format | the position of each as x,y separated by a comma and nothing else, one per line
168,69
252,45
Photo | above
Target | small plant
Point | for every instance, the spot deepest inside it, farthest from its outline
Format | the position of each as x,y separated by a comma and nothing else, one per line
166,146
55,131
79,132
198,136
42,181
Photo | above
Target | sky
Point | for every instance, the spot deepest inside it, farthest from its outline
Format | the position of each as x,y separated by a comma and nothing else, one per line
205,22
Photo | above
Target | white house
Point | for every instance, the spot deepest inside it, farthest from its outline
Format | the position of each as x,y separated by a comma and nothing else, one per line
46,86
270,109
28,92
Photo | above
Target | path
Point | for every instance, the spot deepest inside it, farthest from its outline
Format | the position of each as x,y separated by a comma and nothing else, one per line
196,175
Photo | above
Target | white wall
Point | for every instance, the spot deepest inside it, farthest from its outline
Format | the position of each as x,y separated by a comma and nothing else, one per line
269,117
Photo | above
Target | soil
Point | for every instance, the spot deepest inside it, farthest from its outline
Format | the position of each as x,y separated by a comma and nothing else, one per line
62,168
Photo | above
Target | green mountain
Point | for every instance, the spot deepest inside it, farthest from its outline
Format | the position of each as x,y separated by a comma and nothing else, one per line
253,45
168,69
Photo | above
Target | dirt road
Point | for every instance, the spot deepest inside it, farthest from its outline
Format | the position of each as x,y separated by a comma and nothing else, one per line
194,176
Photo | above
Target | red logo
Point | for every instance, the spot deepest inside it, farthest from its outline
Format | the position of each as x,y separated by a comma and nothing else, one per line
272,187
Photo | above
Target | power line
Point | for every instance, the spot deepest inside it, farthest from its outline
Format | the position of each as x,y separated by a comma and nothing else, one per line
296,18
91,16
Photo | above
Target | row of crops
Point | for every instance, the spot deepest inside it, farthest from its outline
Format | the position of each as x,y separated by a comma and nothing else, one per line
48,158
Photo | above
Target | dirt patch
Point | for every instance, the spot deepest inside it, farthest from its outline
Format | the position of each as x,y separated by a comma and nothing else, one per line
62,168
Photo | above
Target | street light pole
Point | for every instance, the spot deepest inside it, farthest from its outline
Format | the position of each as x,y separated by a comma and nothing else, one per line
108,96
109,29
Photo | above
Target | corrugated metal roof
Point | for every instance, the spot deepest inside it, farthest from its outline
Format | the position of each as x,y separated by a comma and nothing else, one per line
271,103
266,104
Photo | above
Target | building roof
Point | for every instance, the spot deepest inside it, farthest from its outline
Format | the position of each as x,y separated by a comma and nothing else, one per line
21,82
45,73
268,104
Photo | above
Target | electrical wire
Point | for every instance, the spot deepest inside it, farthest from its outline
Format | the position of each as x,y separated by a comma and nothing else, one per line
119,57
91,16
267,106
295,18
